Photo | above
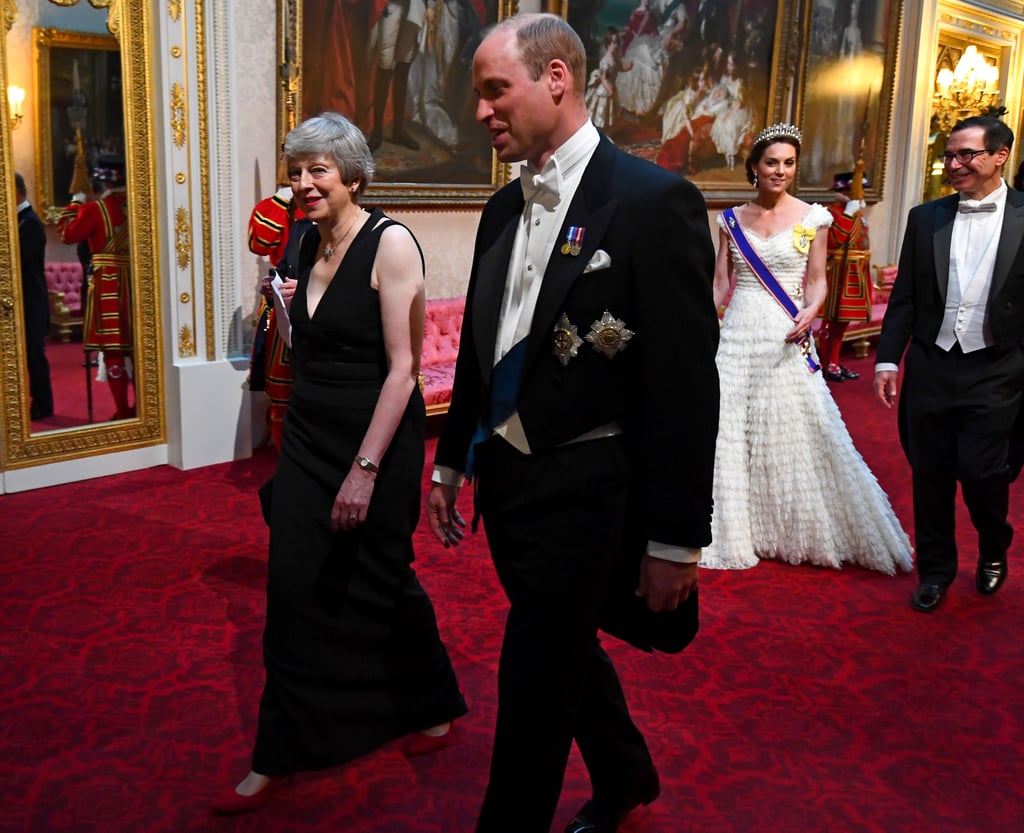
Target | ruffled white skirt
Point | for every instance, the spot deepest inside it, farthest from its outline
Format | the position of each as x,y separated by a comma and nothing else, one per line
789,484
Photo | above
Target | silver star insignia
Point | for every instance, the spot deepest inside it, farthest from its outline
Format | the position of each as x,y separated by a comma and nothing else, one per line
566,342
609,335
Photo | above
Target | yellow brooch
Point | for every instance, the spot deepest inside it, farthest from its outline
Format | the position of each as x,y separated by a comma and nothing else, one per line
802,238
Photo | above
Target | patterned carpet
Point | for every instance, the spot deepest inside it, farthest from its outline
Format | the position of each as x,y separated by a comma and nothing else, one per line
812,700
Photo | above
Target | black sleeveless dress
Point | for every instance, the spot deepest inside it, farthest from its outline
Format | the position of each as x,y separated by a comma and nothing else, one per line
351,648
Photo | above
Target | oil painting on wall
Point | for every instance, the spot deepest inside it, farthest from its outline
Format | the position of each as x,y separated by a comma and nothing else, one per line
402,71
849,68
686,84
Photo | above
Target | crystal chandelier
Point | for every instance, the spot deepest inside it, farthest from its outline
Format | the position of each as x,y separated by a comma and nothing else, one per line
970,89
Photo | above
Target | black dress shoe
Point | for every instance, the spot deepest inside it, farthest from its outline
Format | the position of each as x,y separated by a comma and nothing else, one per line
595,818
848,374
927,597
40,412
990,576
585,822
832,377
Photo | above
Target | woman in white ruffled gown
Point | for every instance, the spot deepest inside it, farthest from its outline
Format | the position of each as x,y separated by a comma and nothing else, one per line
789,484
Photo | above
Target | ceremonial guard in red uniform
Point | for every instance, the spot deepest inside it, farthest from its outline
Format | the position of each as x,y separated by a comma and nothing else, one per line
269,229
848,270
103,223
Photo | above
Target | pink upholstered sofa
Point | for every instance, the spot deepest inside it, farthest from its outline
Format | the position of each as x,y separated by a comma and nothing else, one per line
442,328
64,282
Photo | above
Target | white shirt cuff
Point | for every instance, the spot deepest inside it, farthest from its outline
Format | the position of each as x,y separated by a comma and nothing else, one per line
895,368
447,476
669,552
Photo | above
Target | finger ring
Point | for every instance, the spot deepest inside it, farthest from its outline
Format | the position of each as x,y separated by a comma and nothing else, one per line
352,517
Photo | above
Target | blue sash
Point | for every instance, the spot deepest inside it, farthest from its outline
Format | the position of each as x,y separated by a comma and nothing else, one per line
769,282
504,390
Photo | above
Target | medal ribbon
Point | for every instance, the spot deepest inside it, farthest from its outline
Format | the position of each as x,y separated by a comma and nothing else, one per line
573,240
768,281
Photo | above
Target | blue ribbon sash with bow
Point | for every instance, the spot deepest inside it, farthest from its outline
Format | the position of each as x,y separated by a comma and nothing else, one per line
769,282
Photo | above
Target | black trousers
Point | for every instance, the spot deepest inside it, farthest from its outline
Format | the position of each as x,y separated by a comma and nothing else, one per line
37,325
957,416
553,521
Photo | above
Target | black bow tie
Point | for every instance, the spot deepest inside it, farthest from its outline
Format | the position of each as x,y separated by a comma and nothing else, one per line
981,208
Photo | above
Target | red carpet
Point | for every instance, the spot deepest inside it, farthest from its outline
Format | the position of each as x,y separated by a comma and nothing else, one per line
813,700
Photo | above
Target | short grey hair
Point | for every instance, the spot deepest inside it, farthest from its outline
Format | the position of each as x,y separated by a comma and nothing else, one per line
331,134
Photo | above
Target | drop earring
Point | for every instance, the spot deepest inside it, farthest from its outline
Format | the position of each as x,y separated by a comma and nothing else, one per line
755,180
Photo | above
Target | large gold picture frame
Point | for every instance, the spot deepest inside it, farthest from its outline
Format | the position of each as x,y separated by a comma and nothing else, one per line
845,100
330,59
79,86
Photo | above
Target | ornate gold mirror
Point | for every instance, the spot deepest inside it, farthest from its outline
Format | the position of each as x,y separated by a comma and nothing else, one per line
88,103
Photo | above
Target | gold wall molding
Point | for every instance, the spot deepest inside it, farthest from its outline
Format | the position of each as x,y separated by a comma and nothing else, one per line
174,9
10,13
978,27
204,179
182,237
179,118
186,344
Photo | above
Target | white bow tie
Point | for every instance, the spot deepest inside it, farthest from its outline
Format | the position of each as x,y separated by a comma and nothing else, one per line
969,207
541,187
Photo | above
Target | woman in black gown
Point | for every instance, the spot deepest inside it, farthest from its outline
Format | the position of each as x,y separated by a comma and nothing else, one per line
351,647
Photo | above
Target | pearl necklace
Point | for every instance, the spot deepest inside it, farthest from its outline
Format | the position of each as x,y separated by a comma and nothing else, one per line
330,250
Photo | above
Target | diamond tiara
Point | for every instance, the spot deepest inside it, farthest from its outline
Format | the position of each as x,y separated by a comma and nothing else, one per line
779,131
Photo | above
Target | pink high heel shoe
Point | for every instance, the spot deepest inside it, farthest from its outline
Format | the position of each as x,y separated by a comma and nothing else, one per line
423,744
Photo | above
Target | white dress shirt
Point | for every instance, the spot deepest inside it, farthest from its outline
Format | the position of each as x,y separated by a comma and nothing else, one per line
972,260
539,225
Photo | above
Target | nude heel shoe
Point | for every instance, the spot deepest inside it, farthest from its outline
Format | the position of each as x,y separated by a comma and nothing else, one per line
233,803
422,744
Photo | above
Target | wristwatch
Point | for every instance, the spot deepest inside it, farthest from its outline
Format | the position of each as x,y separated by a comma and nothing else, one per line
366,464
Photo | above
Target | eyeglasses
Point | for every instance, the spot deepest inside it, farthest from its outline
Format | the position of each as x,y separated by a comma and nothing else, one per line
962,156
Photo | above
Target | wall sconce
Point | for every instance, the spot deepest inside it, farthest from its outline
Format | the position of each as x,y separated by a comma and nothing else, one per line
969,89
15,105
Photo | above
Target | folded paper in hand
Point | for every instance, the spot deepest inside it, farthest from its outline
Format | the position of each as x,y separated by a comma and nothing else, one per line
284,324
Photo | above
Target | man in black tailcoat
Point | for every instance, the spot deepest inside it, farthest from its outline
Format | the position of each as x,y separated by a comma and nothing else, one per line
958,300
36,299
586,401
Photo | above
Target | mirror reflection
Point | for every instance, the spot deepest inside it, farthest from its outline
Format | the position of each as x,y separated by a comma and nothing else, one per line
89,417
77,167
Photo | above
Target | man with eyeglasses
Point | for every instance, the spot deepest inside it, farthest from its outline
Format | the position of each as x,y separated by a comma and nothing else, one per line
958,300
